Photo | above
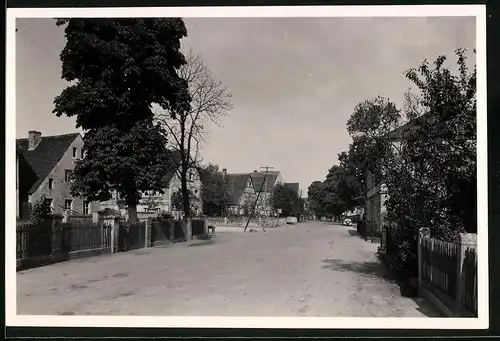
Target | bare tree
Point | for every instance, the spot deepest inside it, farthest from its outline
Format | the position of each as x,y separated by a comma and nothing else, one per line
210,101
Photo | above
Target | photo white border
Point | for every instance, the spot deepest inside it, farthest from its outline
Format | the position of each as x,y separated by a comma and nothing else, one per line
482,322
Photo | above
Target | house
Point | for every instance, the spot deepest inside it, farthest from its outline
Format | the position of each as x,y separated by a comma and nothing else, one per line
245,189
43,166
241,192
155,201
376,194
264,183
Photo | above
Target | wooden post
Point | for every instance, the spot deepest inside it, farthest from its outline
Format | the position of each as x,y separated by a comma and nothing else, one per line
423,233
56,241
225,220
464,241
65,216
111,221
147,233
187,227
95,217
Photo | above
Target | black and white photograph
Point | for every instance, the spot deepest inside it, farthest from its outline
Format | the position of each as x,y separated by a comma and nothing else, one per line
321,166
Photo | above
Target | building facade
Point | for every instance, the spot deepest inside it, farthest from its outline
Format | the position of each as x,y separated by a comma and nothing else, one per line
44,167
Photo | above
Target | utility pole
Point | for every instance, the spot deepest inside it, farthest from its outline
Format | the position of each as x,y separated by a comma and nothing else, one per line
258,194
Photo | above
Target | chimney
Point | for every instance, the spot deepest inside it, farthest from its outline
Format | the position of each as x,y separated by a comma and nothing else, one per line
34,139
224,174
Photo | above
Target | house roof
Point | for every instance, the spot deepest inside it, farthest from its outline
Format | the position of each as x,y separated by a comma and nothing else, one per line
236,185
172,164
398,133
292,185
45,156
258,180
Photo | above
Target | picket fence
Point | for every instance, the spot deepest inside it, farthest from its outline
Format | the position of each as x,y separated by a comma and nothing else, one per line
448,273
62,237
242,221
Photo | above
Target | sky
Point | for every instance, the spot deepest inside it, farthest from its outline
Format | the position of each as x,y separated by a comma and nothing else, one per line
294,81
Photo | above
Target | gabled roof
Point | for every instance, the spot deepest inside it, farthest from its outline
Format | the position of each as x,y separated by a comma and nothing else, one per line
173,162
44,157
399,133
236,184
258,180
292,185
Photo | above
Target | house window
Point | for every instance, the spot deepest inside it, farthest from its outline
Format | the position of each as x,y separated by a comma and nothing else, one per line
86,207
75,152
50,203
67,175
68,204
51,183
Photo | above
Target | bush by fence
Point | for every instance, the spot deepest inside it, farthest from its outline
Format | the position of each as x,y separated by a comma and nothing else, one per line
367,229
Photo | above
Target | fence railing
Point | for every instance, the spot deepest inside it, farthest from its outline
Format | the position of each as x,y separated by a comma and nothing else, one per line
448,272
63,237
84,235
242,221
34,240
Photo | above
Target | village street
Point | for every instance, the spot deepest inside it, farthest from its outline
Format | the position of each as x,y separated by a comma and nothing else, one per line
310,269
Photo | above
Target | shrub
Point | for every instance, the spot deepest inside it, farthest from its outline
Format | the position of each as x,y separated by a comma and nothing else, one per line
39,211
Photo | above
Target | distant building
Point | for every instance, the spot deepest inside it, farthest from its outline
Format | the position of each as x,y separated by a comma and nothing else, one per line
376,194
155,201
264,182
43,168
241,192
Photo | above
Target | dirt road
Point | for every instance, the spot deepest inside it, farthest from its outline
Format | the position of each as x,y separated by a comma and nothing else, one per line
311,269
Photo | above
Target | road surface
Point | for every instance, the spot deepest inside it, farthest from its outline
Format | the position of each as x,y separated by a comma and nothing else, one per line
311,269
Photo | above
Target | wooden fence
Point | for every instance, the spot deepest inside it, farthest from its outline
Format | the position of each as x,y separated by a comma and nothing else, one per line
84,235
63,237
448,273
242,221
34,240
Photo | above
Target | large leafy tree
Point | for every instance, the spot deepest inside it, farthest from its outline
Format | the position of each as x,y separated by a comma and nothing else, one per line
286,199
119,68
213,190
316,198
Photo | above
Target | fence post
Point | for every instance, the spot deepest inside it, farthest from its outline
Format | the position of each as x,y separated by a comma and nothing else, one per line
147,233
56,242
188,228
65,216
95,217
464,241
424,232
112,223
383,237
225,220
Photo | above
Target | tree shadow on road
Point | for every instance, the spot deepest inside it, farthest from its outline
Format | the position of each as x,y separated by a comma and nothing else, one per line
373,268
353,233
426,308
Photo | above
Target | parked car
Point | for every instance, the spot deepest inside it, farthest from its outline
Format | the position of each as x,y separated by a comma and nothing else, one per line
291,220
347,222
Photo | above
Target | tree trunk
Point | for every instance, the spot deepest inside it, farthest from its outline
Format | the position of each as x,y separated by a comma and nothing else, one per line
132,211
185,195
